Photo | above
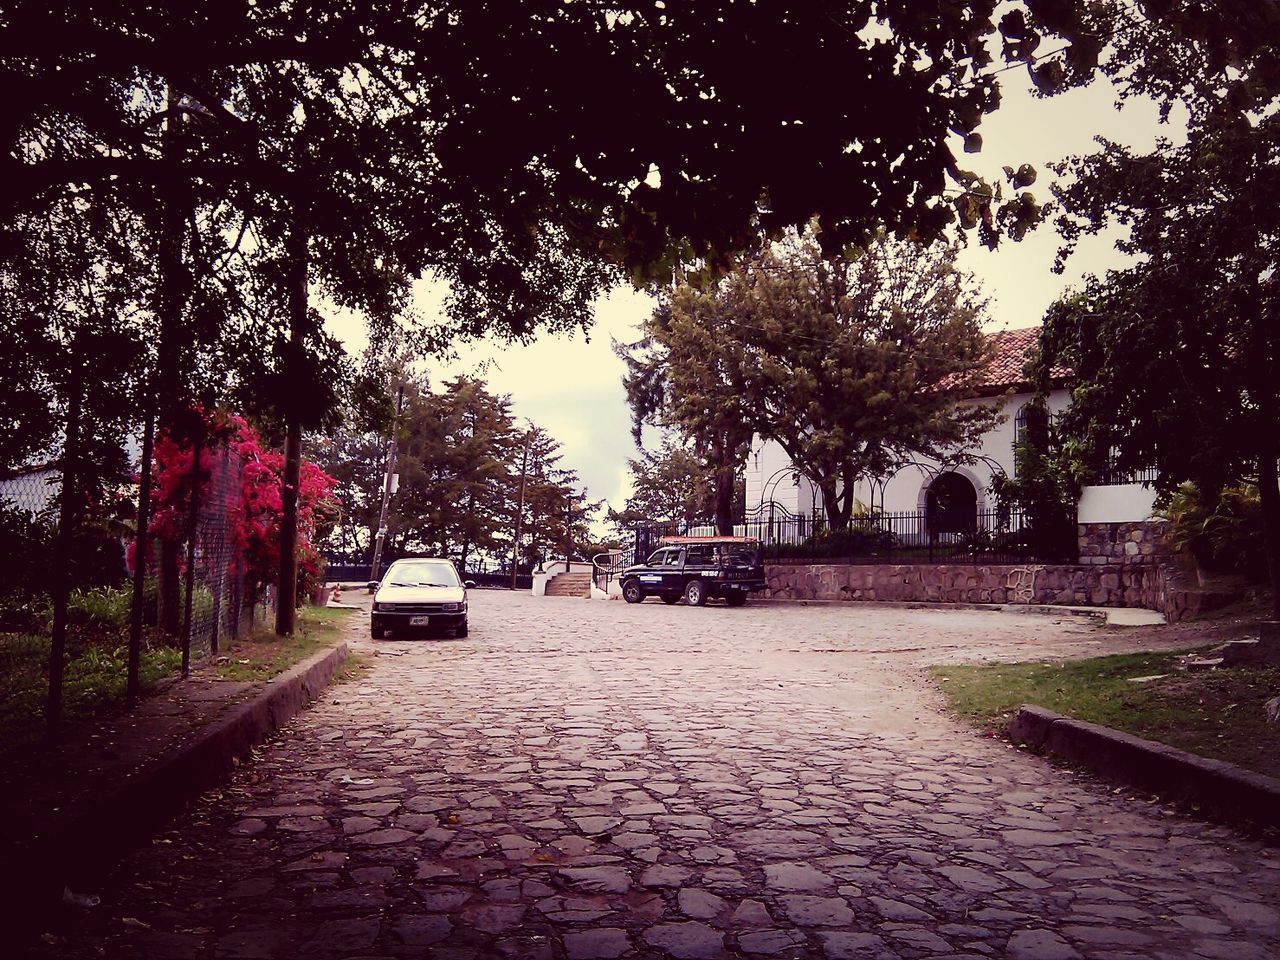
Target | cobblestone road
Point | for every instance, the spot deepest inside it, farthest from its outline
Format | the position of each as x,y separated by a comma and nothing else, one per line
591,780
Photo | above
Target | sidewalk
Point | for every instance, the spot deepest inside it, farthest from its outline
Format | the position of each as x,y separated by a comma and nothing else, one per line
67,809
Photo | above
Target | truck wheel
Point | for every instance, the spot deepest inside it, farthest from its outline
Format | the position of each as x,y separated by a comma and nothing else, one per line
631,592
736,599
695,593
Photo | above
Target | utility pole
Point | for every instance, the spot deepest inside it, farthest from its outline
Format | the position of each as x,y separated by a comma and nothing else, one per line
515,541
297,245
392,450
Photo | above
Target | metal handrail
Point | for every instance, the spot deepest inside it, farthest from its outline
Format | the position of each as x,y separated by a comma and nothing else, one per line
615,561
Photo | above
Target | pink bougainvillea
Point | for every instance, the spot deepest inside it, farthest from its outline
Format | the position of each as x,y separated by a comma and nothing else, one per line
255,509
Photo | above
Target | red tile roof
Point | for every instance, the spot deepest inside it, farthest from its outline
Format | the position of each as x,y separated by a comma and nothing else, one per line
1012,349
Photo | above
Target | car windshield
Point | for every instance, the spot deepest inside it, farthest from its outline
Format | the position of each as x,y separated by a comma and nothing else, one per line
424,574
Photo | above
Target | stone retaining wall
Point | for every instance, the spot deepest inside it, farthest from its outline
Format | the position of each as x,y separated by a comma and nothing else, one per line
1121,565
1114,585
1126,544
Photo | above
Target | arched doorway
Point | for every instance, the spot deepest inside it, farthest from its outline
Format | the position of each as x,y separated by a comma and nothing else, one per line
951,505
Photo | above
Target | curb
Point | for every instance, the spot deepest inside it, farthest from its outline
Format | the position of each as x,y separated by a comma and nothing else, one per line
72,846
1098,614
1233,793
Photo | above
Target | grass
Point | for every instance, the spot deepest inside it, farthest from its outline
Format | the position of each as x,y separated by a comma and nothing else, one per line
263,655
94,682
1217,714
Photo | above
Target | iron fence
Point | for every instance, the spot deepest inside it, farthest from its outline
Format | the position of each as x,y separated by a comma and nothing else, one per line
882,537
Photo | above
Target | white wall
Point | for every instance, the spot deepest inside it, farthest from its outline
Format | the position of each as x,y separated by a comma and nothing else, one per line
32,492
1121,503
769,476
905,490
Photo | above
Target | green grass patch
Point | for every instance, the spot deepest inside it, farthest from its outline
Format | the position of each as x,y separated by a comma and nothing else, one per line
263,655
1217,714
93,682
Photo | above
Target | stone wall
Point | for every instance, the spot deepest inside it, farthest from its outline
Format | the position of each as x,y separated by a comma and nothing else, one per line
1124,544
1113,585
1121,565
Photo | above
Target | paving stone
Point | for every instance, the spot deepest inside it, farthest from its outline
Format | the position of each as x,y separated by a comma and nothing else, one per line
1039,945
605,879
897,910
603,943
770,941
795,876
700,904
816,911
662,875
421,930
855,946
687,941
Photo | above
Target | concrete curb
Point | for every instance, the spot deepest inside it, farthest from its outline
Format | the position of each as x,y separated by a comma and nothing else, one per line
72,846
1040,609
1238,795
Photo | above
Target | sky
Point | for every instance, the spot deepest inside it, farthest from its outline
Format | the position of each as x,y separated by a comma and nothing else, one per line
571,385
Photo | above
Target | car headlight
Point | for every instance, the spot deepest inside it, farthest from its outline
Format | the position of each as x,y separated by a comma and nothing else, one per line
384,607
451,607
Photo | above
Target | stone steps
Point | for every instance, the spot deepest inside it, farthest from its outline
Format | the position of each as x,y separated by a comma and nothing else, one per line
569,585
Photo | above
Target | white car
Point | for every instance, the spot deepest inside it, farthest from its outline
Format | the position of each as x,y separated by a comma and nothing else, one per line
418,595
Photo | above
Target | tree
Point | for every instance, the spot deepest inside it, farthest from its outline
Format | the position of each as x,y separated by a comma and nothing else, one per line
1175,356
1045,485
454,471
669,486
688,373
852,365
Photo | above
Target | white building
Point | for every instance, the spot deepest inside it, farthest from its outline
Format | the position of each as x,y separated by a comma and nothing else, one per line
31,489
772,480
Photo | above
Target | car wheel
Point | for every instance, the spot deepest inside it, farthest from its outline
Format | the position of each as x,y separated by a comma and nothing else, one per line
668,599
460,631
375,632
736,599
695,593
631,592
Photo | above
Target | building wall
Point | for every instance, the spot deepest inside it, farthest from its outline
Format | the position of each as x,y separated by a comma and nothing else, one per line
769,477
1121,503
31,492
905,491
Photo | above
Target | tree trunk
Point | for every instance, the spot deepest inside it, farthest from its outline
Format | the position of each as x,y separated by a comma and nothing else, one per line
830,503
287,585
171,297
141,542
1269,499
847,479
724,500
68,520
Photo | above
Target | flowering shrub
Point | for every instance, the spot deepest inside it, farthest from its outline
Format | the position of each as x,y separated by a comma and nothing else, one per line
256,515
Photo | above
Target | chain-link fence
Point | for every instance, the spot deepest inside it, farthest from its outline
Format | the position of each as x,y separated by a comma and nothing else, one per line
200,577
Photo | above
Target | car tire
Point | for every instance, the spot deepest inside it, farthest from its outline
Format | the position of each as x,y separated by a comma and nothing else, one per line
668,599
695,593
375,632
632,592
460,631
736,599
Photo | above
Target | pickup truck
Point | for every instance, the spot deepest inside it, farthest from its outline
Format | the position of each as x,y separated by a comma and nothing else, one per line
695,569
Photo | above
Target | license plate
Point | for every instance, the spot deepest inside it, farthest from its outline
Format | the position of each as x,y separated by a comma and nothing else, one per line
419,621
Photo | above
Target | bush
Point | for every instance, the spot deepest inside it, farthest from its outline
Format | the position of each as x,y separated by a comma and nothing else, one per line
100,611
1225,536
